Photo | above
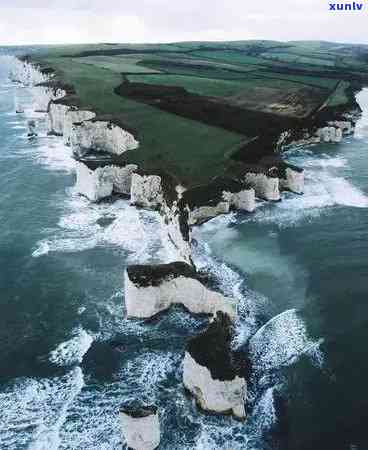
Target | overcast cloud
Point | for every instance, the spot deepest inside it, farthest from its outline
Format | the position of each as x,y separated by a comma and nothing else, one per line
82,21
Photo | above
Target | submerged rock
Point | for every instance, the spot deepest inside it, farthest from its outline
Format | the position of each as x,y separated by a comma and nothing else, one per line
140,425
31,124
213,373
151,289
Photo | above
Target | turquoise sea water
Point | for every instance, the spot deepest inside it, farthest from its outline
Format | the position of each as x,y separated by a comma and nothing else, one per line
300,263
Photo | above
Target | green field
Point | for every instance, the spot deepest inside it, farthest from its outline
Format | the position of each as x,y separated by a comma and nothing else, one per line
261,83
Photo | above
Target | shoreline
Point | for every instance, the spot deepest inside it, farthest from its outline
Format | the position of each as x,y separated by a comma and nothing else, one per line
178,217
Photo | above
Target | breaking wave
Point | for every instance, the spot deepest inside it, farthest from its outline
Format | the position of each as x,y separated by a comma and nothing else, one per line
72,351
34,411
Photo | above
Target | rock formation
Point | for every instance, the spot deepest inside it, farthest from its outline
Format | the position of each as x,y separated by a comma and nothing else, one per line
101,182
150,290
140,425
147,191
330,134
215,198
101,136
74,116
265,182
56,118
213,373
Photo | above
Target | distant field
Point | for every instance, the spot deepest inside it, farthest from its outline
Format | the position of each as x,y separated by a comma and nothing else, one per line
233,92
118,64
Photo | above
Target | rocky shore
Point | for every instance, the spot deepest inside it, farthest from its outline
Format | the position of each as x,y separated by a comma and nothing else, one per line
213,373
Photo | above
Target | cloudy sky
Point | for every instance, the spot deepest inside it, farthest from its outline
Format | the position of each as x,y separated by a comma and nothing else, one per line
82,21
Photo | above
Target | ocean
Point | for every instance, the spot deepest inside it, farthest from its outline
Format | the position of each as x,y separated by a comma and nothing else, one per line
299,268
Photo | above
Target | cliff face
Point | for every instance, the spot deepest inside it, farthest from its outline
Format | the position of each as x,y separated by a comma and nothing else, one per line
103,181
72,117
218,197
43,95
56,118
266,187
140,426
151,290
213,373
101,136
147,191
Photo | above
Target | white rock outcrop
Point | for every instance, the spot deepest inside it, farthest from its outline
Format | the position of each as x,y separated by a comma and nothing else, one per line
72,117
140,427
147,191
211,394
330,134
345,126
201,214
293,181
103,181
265,187
243,200
93,184
213,373
25,72
56,118
101,136
150,290
175,226
43,95
205,202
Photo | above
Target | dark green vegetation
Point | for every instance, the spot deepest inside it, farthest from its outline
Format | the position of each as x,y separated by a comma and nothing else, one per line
195,105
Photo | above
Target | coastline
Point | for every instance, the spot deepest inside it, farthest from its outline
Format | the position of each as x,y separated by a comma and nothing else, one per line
175,219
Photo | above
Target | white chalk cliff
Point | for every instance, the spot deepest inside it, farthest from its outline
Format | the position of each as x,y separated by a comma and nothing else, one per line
101,136
330,134
72,117
147,191
213,373
201,214
175,225
146,299
103,181
56,118
227,396
293,181
141,429
265,187
93,184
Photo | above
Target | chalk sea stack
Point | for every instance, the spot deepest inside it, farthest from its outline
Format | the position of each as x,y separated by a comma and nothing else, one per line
151,289
213,373
217,197
140,425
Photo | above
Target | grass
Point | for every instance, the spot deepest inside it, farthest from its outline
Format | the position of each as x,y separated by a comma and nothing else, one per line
241,75
128,63
190,150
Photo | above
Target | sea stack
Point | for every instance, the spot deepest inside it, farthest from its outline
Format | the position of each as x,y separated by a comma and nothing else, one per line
151,289
140,425
213,373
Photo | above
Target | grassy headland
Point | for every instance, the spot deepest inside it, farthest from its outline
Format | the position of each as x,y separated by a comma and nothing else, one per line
194,105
